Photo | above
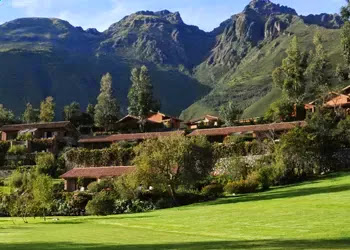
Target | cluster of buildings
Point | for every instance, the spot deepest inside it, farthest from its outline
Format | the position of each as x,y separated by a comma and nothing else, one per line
160,125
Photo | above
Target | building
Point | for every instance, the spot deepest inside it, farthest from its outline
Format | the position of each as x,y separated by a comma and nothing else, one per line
334,100
206,121
257,131
56,135
88,175
168,121
97,142
156,121
50,130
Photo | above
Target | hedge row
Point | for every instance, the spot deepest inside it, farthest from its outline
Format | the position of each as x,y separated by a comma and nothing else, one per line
113,156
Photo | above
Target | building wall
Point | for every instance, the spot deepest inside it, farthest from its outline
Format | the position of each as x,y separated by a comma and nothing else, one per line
70,185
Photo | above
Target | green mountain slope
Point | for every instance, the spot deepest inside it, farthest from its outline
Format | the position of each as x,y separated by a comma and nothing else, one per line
239,68
193,71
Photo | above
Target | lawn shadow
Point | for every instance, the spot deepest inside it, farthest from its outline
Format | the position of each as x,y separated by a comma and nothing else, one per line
240,244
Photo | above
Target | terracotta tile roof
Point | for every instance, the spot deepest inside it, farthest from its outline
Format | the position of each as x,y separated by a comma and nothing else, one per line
245,129
97,172
46,125
135,118
209,117
128,137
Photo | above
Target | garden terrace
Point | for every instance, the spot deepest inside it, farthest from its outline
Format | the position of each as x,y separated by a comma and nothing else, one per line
92,174
103,141
258,131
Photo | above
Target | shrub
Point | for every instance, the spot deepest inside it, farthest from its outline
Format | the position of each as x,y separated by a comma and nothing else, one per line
24,137
101,204
165,202
250,185
266,177
74,204
212,190
132,206
105,184
39,145
46,163
17,150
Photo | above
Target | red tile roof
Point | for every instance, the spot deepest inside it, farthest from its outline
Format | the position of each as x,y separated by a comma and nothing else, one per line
98,172
46,125
209,117
245,129
128,137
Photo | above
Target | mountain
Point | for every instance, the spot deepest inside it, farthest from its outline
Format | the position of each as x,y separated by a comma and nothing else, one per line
192,71
248,47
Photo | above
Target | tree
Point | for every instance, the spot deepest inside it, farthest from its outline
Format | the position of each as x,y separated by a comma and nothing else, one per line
141,100
32,196
72,111
281,110
90,110
6,115
166,163
42,189
345,11
319,65
290,77
230,114
47,110
107,110
345,41
30,115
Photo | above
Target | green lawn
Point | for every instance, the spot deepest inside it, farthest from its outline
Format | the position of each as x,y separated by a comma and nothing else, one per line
313,215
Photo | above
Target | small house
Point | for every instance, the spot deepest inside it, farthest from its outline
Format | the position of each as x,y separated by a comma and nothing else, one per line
78,178
207,121
49,130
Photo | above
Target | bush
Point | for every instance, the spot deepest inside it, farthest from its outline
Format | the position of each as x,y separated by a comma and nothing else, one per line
116,155
17,150
213,190
46,163
250,185
101,204
165,202
73,204
266,177
132,206
96,187
25,137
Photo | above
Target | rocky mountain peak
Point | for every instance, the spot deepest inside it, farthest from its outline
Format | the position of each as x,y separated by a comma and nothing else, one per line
266,7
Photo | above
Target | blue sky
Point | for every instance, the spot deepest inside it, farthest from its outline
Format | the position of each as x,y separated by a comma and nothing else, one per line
207,14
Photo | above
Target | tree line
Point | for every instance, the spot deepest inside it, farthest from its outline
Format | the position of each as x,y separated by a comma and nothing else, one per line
105,113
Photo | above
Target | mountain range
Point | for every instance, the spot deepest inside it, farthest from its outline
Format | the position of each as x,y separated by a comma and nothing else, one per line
193,72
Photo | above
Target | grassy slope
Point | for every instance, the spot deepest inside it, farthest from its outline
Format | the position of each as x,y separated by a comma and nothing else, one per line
313,215
250,85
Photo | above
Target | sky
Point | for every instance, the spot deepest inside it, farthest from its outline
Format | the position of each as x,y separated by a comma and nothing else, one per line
100,14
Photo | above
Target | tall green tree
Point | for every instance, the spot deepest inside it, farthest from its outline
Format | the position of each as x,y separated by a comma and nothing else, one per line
319,68
230,114
107,109
345,33
141,100
6,115
290,77
72,111
30,115
47,110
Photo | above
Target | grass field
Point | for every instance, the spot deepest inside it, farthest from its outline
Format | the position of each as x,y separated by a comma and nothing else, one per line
312,215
